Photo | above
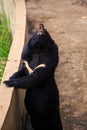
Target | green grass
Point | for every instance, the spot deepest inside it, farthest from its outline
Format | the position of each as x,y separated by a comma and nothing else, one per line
5,43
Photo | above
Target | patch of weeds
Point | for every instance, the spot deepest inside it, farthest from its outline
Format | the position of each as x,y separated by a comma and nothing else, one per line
5,42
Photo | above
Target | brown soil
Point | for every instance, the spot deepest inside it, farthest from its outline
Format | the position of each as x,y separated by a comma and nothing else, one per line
66,21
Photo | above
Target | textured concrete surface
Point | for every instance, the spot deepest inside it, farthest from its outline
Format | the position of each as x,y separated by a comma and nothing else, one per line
66,21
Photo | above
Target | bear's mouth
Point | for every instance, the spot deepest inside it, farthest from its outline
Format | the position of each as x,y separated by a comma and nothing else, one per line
40,30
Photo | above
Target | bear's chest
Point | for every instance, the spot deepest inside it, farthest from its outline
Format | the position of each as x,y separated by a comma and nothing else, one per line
36,60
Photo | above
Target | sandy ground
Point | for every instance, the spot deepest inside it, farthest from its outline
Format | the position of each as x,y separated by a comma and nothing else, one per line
66,21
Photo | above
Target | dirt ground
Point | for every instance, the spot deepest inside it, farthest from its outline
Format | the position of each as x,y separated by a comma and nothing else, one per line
66,21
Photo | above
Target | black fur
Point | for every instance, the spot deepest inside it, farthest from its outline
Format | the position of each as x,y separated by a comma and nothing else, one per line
42,96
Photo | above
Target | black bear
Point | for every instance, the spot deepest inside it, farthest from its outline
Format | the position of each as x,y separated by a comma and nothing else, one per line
42,95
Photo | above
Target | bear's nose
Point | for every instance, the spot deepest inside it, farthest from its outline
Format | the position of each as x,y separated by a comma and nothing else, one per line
41,26
41,29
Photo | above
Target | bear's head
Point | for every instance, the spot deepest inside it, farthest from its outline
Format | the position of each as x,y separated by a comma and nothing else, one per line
41,37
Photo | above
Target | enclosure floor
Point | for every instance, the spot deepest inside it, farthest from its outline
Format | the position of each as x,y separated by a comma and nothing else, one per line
66,21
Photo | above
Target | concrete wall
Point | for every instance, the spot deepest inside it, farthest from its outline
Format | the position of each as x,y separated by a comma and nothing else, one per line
12,109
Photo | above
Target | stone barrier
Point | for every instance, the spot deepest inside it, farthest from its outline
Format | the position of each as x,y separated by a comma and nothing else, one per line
12,109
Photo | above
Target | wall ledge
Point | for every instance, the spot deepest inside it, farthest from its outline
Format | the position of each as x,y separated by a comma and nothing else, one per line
13,63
